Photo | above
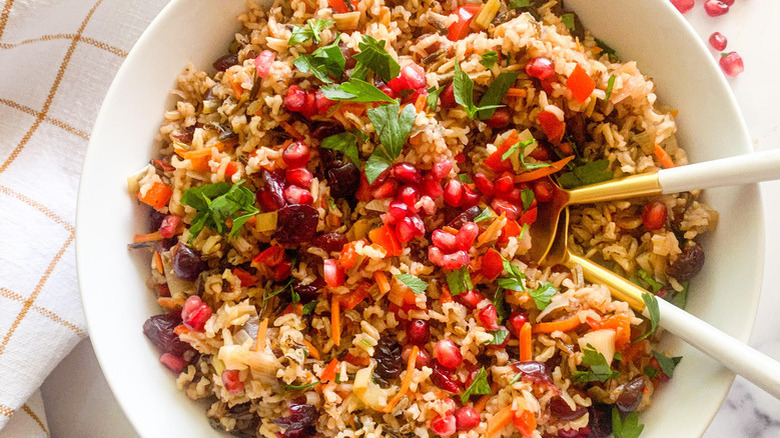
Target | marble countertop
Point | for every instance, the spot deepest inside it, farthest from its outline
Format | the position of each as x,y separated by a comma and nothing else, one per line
79,402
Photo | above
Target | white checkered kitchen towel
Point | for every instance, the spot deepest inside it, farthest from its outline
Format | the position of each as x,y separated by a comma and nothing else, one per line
57,59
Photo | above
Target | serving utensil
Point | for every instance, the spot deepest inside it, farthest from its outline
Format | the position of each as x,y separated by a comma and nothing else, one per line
751,364
740,169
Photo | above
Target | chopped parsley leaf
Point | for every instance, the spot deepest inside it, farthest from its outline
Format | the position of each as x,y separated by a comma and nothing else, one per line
514,279
568,21
326,63
312,29
479,386
300,387
543,294
433,97
628,428
356,90
374,57
459,281
499,300
393,127
589,173
608,50
651,303
463,88
489,59
495,92
216,203
527,198
610,85
599,371
485,215
667,364
415,284
346,143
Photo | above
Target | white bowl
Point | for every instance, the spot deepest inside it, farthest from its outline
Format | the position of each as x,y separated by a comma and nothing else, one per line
116,301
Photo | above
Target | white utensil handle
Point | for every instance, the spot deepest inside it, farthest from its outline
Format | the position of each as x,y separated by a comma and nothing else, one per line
749,363
741,169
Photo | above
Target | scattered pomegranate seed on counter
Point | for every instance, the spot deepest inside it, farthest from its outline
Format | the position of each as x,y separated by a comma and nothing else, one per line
731,63
715,8
683,5
718,41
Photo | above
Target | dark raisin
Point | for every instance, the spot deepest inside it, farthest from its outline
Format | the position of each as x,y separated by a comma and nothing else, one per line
187,263
466,216
629,399
322,130
330,242
159,330
561,410
296,223
301,416
600,420
155,220
185,135
688,264
348,52
536,372
344,181
225,62
388,356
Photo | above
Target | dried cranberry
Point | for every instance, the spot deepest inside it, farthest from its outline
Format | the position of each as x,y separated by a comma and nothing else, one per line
443,378
344,181
330,242
500,118
629,399
688,264
301,416
447,97
274,187
388,357
536,372
159,330
561,410
322,130
600,420
155,219
187,263
174,363
296,224
225,62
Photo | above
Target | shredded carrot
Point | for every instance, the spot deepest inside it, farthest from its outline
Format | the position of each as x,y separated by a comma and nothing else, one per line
358,361
181,329
526,343
419,104
158,262
663,157
354,108
292,131
516,92
151,237
415,140
237,89
170,303
329,373
335,320
450,230
406,383
445,296
313,352
479,406
557,326
544,171
262,330
382,282
499,421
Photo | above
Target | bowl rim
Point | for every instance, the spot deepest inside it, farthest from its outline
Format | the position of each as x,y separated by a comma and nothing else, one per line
137,53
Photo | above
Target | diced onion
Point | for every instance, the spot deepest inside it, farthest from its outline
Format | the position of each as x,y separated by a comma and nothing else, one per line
266,221
603,341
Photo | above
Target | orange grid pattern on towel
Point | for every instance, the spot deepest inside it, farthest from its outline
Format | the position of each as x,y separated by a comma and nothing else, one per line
75,52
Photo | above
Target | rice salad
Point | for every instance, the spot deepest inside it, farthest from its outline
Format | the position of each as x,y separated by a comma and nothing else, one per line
339,215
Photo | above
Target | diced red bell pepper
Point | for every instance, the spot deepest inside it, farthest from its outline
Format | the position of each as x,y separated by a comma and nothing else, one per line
386,238
271,256
460,29
580,84
528,217
231,169
334,275
551,126
246,278
352,299
157,196
492,264
495,162
341,6
511,229
525,422
348,256
282,270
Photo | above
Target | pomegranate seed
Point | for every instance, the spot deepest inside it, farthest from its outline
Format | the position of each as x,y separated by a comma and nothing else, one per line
414,75
540,153
484,185
501,206
310,107
470,198
540,68
282,270
488,317
455,260
453,192
170,224
466,418
654,215
409,196
732,64
333,273
543,190
444,241
443,378
195,313
409,228
718,41
435,255
385,190
418,332
406,173
389,91
715,8
232,381
466,236
500,118
516,321
423,358
297,154
323,103
173,362
431,186
728,2
447,97
263,63
299,176
504,184
683,5
470,298
441,169
396,212
297,195
295,98
447,353
513,196
444,426
428,205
